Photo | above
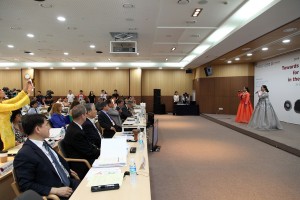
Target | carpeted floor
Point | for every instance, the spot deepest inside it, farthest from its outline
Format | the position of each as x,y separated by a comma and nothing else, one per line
202,160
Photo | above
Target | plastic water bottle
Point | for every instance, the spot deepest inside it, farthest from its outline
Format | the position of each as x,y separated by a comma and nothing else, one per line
141,139
132,170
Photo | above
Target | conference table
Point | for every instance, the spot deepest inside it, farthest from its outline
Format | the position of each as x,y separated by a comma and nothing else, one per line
184,109
138,191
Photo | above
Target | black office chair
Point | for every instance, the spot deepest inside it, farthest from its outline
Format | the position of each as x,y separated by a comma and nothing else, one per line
80,166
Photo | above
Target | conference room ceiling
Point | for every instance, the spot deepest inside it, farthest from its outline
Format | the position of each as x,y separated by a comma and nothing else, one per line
157,25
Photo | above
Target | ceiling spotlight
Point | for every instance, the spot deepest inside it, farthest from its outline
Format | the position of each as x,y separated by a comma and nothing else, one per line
30,35
31,53
249,54
66,53
51,68
92,46
237,59
60,18
173,49
10,46
265,48
137,54
166,59
196,12
229,61
73,68
286,41
117,68
160,68
95,67
108,59
181,68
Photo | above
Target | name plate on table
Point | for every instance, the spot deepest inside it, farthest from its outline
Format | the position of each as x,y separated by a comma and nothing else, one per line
6,167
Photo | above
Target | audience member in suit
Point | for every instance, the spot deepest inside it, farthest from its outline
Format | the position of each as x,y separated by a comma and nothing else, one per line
76,142
106,122
33,108
37,166
126,111
113,113
89,126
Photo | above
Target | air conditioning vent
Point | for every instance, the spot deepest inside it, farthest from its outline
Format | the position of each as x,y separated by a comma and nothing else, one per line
123,47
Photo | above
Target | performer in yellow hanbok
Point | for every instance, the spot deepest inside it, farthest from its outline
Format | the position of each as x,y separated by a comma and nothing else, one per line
6,106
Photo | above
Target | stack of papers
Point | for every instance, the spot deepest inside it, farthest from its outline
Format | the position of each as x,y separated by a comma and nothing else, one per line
113,153
104,176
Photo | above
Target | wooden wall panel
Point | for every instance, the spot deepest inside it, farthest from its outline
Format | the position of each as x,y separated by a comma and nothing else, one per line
227,70
60,81
220,92
11,79
136,82
166,80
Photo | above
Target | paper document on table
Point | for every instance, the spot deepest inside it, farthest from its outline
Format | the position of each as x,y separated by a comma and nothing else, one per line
13,151
129,122
105,177
55,133
113,152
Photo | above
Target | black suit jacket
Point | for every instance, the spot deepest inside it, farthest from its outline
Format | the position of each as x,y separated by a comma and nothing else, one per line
125,113
92,133
105,123
35,171
77,145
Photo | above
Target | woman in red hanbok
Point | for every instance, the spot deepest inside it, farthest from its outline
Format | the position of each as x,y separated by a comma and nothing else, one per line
245,108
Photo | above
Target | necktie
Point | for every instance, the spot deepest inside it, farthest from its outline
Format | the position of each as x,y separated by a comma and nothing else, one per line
36,111
64,178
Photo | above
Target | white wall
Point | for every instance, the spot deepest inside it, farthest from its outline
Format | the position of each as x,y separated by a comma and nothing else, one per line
282,77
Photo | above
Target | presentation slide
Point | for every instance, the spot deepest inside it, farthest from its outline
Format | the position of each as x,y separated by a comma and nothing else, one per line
282,77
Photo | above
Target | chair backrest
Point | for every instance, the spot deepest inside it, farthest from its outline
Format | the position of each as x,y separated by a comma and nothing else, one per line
61,148
14,184
29,195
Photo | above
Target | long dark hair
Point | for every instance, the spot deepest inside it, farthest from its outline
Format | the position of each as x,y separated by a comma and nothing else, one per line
247,89
265,87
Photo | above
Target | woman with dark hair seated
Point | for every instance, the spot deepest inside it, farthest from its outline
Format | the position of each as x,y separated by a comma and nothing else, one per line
57,119
15,120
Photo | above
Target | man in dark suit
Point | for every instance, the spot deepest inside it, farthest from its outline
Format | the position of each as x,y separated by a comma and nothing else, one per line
89,126
126,111
106,122
37,166
76,142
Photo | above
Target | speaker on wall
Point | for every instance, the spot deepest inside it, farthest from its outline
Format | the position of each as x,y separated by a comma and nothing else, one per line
188,71
208,71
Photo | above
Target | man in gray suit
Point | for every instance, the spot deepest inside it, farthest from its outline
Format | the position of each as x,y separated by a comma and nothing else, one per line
113,113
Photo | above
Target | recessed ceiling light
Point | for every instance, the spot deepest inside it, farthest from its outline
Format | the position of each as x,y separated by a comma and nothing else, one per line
229,61
265,48
249,54
31,53
173,49
117,68
288,30
30,35
181,68
166,59
92,46
183,2
6,67
108,59
60,18
286,41
66,53
160,68
237,59
73,67
51,68
137,54
196,12
10,46
95,68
